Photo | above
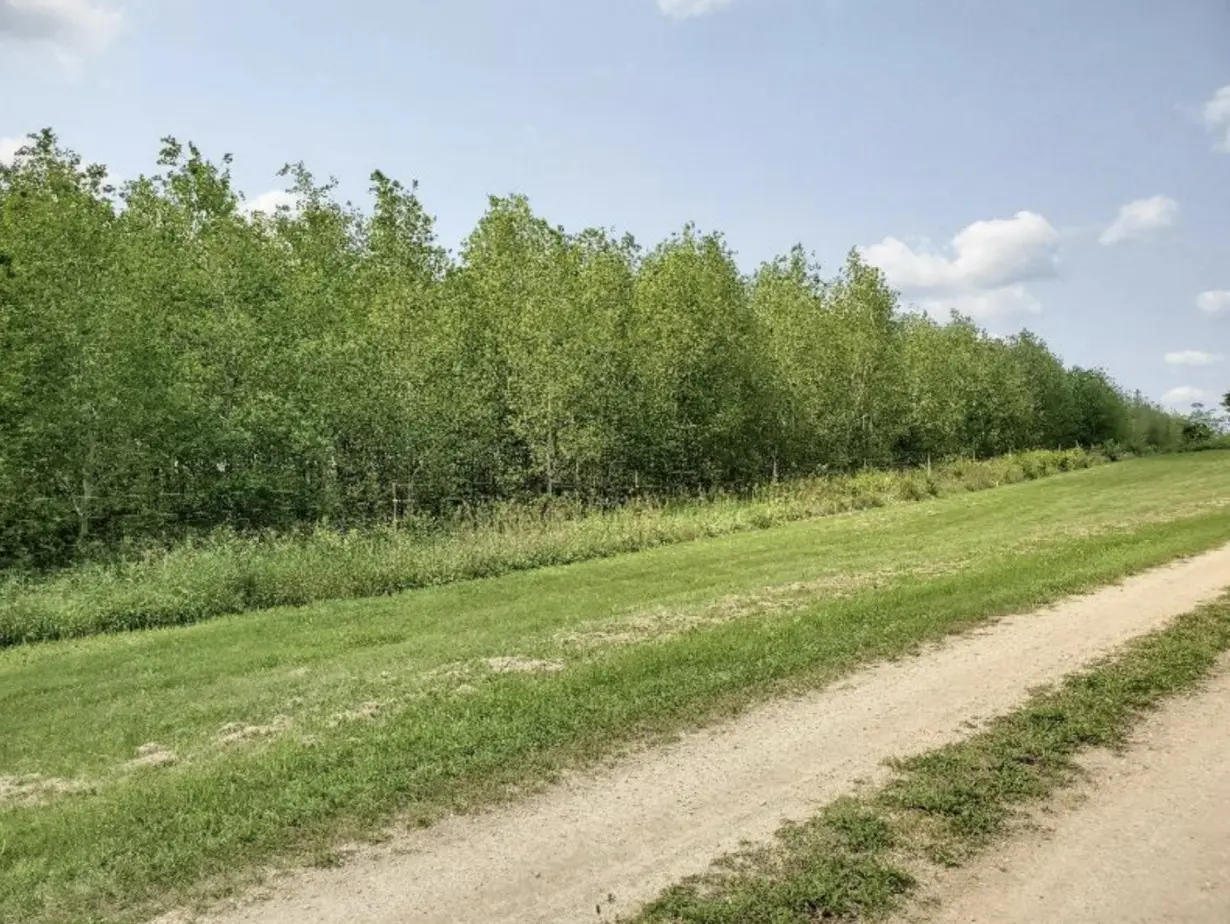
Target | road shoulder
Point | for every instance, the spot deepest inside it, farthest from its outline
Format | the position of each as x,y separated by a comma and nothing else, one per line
1146,839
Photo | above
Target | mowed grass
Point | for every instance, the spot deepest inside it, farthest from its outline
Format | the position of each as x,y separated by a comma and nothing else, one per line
294,729
863,856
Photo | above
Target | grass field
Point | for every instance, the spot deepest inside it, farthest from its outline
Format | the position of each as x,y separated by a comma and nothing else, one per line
171,764
225,573
865,855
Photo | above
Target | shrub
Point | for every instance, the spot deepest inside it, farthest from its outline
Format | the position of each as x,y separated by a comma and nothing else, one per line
227,573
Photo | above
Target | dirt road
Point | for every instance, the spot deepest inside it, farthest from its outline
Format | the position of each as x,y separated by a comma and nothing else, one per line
597,846
1151,845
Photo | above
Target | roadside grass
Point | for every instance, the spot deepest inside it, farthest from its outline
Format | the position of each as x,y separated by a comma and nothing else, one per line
230,574
176,765
863,856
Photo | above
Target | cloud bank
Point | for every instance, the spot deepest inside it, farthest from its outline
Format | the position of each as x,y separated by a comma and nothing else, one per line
1214,302
70,25
1216,115
984,270
1192,358
1184,394
1140,219
8,150
269,202
687,9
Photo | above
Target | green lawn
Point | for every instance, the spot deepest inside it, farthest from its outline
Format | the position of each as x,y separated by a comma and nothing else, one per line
294,727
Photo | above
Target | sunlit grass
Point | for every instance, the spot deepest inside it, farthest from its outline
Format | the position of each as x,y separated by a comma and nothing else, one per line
294,727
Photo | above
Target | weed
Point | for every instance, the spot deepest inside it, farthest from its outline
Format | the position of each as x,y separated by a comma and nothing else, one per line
226,573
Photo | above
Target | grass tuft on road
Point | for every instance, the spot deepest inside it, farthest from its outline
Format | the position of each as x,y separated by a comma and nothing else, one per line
861,857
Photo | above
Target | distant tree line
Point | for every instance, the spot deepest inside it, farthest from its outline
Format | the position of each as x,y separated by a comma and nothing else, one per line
1207,426
172,363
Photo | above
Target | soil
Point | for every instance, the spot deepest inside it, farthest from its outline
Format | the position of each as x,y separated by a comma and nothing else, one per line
1148,842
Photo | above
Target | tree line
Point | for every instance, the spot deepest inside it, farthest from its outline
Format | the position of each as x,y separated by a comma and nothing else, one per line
173,362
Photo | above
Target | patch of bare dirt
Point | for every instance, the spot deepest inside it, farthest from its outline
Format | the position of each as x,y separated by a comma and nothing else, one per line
178,916
662,622
35,789
365,712
235,732
1167,515
1147,842
151,755
464,677
518,665
613,839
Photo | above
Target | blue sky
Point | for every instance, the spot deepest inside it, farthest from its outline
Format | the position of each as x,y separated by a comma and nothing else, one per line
1062,166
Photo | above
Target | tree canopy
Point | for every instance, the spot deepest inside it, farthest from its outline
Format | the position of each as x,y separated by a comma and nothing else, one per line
174,361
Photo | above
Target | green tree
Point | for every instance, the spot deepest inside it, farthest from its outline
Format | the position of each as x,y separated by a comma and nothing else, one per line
175,363
695,384
1099,409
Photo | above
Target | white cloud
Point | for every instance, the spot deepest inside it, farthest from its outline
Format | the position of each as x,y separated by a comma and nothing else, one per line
1192,358
1140,218
686,9
270,202
986,255
76,25
983,272
993,303
1216,114
1215,302
1184,394
8,150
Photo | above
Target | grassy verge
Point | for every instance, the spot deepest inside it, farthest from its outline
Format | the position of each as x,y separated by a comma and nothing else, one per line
228,574
860,857
172,764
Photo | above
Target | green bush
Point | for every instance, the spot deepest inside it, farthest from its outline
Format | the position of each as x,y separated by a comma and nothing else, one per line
227,573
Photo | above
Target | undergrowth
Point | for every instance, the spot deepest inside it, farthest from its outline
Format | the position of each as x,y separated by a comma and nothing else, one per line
226,573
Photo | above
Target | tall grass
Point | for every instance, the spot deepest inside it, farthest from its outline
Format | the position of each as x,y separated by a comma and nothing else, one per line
226,573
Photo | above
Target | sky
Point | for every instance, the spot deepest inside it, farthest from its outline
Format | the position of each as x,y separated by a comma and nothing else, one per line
1053,165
